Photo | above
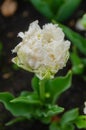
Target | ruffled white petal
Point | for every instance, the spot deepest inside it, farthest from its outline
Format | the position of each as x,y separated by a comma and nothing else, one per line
44,50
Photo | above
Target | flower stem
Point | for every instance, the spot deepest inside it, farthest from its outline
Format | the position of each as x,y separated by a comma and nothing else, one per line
42,89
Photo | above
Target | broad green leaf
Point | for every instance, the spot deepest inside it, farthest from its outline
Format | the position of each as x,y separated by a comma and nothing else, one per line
29,108
81,122
43,7
56,5
15,67
68,127
55,87
67,9
76,39
55,126
49,111
47,7
52,110
84,61
31,98
58,9
77,64
69,117
25,93
17,109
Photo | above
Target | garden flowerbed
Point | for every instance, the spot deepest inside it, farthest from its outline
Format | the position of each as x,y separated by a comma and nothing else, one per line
15,80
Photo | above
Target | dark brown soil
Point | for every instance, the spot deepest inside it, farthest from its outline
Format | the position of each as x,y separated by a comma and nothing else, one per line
16,80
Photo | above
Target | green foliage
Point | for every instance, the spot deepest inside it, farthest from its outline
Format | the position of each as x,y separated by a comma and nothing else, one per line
28,105
48,112
57,126
56,9
77,63
81,122
67,121
43,6
31,104
54,87
17,109
58,85
31,98
67,9
69,117
15,67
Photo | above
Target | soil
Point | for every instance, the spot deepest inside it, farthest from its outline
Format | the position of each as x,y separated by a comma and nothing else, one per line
15,80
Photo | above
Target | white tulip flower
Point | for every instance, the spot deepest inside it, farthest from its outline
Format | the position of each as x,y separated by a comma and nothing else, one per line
42,51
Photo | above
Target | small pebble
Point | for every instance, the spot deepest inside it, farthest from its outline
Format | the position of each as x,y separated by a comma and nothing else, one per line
72,23
7,75
25,14
10,34
9,7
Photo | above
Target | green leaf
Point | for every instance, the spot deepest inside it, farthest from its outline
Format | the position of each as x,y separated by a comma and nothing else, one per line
31,98
55,5
15,67
43,7
84,61
49,111
25,93
29,107
81,122
52,110
55,87
68,127
58,9
77,63
67,9
76,39
17,109
55,126
69,117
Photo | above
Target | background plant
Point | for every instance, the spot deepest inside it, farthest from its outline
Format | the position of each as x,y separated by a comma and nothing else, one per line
59,10
80,119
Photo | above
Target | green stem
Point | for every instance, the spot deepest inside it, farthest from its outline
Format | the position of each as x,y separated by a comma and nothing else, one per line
42,89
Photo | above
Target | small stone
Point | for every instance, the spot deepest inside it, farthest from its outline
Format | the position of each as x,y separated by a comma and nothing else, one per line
71,23
7,75
25,14
9,7
10,34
